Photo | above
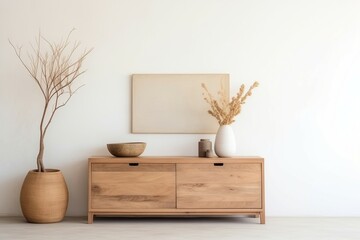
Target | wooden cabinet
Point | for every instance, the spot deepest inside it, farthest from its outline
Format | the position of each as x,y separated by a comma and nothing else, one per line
176,186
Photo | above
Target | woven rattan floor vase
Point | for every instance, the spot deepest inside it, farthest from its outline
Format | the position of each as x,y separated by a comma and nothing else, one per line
44,196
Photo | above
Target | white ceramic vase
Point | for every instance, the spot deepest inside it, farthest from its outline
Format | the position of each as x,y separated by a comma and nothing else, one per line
225,144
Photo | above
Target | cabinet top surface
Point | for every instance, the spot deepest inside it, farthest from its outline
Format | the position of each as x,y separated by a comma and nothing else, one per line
174,159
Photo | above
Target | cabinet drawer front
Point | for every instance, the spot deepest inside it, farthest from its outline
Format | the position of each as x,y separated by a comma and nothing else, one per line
116,186
219,185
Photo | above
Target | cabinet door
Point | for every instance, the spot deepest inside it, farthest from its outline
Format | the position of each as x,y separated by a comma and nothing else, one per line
219,185
129,186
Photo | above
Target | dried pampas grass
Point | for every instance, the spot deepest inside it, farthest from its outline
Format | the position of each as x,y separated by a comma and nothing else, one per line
223,110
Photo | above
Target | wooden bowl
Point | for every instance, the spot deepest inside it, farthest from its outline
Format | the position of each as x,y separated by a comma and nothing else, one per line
131,149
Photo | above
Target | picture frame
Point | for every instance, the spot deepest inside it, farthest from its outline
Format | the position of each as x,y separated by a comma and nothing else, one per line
173,103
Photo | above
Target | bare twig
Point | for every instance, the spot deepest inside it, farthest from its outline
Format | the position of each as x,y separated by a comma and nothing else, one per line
54,69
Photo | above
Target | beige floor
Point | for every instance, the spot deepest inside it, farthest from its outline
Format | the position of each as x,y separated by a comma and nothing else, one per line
183,228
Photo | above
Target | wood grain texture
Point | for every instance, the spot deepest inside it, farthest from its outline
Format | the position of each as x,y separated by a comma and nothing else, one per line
90,214
116,167
262,217
227,186
262,214
179,210
143,186
151,186
175,213
179,159
90,217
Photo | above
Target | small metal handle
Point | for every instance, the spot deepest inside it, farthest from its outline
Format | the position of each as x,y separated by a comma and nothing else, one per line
133,164
218,164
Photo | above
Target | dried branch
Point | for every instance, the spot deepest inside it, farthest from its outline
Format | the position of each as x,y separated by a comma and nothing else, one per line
54,68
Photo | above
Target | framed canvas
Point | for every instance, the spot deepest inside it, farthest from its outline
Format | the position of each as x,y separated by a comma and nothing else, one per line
173,103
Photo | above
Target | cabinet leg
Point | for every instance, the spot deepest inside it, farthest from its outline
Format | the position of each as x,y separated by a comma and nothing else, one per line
90,217
262,217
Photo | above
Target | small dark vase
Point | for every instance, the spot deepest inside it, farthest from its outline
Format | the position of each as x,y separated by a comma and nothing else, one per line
205,147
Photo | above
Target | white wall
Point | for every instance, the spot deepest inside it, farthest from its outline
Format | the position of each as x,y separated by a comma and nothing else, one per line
304,118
